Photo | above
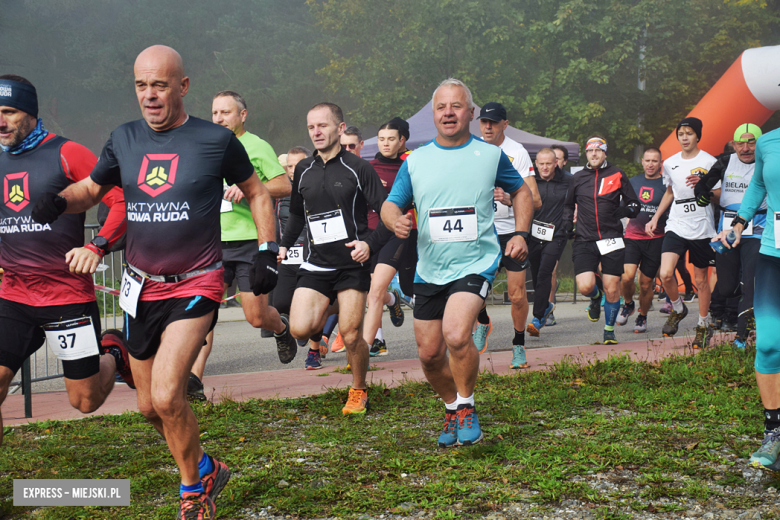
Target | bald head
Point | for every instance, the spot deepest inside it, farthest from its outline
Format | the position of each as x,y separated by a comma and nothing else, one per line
160,85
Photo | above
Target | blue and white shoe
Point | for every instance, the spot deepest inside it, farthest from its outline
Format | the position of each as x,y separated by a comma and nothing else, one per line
449,436
313,361
518,357
547,313
469,431
770,448
534,327
739,344
481,335
550,320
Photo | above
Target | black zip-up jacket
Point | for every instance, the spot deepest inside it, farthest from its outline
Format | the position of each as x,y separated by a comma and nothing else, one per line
597,194
553,195
347,183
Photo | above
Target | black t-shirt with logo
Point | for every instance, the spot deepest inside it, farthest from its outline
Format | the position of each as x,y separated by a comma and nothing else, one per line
650,192
172,182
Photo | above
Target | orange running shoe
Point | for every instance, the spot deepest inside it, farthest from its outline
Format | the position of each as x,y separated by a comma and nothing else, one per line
338,344
357,402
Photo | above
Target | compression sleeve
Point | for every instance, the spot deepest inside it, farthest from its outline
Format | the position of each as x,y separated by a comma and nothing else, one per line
295,224
713,176
756,191
507,177
401,195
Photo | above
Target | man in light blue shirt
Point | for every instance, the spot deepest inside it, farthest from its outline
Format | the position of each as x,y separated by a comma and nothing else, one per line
451,182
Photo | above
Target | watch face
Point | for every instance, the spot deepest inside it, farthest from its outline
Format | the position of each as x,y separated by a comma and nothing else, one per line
100,242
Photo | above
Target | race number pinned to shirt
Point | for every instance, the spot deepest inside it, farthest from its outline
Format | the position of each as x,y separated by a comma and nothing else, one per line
542,230
72,339
225,206
777,229
132,283
728,217
500,210
294,256
688,209
327,227
608,245
453,224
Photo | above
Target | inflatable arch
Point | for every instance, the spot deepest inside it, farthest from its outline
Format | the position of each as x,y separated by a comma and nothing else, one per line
749,92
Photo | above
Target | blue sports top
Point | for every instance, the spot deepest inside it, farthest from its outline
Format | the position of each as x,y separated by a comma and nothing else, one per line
765,183
452,189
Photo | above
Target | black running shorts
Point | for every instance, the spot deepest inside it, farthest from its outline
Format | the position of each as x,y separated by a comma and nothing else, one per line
144,332
587,257
238,258
430,300
330,283
701,254
21,334
507,261
646,254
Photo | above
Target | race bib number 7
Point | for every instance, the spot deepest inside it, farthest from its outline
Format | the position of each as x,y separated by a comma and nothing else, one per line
453,224
130,291
72,339
327,227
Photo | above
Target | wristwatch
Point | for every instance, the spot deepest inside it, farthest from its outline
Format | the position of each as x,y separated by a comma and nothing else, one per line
101,243
269,246
523,234
739,220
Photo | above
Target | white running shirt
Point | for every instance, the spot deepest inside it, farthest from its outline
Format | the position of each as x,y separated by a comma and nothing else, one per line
504,217
686,219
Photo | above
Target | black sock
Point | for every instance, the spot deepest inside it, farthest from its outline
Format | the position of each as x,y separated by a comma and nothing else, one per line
519,338
771,419
483,317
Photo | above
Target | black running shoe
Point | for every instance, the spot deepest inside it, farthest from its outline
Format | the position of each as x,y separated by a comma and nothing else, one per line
286,346
195,388
703,337
717,323
673,322
594,309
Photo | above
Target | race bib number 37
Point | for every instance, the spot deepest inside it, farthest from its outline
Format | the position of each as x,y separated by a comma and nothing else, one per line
453,224
72,339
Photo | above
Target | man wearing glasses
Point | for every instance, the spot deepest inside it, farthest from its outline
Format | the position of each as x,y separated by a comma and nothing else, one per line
352,140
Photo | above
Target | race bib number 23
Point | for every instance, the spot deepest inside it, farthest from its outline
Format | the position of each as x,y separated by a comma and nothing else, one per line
130,291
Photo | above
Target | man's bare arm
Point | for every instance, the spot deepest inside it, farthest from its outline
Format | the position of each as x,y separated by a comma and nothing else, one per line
84,194
279,187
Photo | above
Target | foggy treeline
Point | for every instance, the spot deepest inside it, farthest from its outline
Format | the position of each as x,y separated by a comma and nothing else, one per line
563,69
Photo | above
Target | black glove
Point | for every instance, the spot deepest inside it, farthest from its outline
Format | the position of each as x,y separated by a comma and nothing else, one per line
703,199
263,276
622,212
48,208
568,229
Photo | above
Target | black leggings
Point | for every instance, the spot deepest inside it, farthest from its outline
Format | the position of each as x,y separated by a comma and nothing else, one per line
543,257
736,275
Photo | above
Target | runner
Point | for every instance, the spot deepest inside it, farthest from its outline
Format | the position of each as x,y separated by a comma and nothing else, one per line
352,140
547,237
174,281
331,191
461,254
41,296
598,191
492,123
736,270
386,263
689,228
562,157
765,186
643,251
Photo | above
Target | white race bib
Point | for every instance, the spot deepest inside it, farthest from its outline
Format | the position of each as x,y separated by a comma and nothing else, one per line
728,217
500,210
225,206
542,230
327,227
132,283
688,209
72,339
777,229
294,256
607,245
453,224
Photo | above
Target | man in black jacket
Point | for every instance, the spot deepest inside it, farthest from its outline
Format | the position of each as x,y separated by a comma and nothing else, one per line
331,193
548,239
598,190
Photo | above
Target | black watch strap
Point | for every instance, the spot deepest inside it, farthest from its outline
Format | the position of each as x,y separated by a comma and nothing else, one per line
101,243
739,220
523,234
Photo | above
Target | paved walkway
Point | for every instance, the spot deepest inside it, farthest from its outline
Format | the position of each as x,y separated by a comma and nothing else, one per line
298,383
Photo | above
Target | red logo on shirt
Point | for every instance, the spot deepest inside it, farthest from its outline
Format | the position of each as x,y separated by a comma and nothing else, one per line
609,184
646,194
16,193
158,173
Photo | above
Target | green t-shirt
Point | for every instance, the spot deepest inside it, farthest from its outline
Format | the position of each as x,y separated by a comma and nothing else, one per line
238,224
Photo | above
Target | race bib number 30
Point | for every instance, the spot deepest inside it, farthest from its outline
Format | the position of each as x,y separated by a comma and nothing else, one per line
132,283
294,256
609,245
327,227
453,224
72,339
688,209
542,230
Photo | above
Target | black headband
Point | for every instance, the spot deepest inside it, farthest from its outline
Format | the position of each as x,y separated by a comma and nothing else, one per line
19,95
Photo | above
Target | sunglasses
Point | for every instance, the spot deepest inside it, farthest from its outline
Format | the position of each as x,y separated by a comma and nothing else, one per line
350,146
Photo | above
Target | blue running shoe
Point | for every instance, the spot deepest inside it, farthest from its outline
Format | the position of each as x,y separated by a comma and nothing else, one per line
739,344
534,327
396,313
547,313
481,335
313,360
468,426
767,453
518,357
449,436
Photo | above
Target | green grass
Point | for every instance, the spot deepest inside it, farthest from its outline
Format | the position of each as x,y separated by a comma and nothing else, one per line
669,429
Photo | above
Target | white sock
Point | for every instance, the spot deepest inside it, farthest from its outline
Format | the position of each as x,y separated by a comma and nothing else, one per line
451,407
704,320
379,334
392,300
464,400
678,305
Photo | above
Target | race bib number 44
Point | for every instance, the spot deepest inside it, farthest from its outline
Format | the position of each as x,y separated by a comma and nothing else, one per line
132,283
72,339
453,224
608,245
327,227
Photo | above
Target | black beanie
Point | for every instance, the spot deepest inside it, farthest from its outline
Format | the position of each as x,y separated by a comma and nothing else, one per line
402,125
694,123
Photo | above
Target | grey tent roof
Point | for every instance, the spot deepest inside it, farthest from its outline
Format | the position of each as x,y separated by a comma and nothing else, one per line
422,130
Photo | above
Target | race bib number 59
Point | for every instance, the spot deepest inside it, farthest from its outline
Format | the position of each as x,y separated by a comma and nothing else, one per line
453,224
